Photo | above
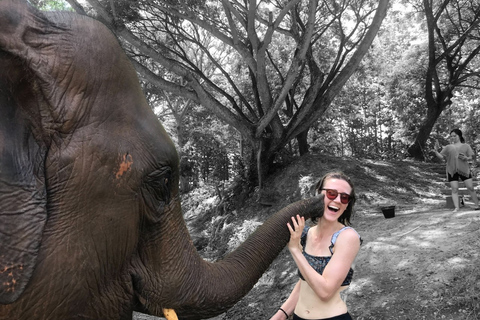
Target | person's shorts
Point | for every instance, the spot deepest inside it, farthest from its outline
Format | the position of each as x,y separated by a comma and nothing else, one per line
458,176
345,316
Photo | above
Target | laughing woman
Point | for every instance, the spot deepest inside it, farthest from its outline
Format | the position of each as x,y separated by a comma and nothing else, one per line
324,255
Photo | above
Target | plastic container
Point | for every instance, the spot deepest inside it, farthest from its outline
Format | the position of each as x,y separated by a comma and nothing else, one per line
388,212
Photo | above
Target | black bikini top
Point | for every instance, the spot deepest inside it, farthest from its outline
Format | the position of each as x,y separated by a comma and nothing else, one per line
319,263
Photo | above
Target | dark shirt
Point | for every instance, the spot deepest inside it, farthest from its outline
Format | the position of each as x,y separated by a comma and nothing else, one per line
319,263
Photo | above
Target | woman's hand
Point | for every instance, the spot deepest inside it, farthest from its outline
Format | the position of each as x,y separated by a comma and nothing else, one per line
463,157
437,145
296,229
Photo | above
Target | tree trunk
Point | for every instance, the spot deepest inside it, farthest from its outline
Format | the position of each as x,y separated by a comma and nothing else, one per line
417,149
265,153
303,146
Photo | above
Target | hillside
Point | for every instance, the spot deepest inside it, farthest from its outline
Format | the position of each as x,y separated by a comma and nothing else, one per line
422,264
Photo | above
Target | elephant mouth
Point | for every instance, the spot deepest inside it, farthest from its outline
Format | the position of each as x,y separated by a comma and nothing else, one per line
140,300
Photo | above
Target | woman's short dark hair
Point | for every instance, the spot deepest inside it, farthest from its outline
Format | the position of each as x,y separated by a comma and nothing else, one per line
459,133
347,214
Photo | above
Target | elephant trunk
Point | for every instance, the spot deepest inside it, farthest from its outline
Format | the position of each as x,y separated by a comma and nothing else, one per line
207,289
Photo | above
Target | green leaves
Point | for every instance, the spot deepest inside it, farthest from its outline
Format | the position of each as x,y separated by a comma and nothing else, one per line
51,5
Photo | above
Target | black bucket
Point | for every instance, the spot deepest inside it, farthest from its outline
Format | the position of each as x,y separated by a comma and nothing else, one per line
388,212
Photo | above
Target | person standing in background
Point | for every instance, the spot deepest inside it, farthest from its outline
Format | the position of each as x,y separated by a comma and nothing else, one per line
457,154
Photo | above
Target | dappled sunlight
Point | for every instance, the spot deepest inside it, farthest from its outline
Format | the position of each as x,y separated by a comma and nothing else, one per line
457,262
378,163
242,233
470,213
425,244
306,185
433,234
267,278
418,256
211,200
382,245
361,282
418,243
360,285
373,197
279,273
410,243
432,193
376,175
416,171
405,263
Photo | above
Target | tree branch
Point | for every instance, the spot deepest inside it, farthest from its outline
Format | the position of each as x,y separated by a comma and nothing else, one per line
204,98
324,99
293,71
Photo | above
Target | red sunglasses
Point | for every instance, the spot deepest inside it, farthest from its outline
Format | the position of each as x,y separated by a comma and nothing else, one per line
332,195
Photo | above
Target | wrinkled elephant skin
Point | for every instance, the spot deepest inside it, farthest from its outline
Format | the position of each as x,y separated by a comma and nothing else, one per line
91,225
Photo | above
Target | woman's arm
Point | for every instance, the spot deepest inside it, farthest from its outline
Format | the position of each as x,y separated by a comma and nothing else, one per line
439,155
325,285
289,305
346,249
469,154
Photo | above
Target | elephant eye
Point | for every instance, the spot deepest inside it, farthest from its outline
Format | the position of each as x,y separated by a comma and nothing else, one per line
156,189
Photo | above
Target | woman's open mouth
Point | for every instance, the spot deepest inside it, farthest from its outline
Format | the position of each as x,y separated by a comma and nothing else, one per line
333,208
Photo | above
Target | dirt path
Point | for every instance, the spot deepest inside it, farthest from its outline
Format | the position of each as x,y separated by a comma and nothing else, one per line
418,265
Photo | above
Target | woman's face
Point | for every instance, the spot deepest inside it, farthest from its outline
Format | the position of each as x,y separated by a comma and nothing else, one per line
334,207
454,137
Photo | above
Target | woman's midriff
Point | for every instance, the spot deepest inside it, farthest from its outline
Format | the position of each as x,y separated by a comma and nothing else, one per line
309,305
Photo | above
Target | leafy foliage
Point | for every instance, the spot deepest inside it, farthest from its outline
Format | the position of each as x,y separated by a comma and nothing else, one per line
53,5
213,80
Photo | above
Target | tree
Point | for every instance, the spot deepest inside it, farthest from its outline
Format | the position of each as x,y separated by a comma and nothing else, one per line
399,60
278,64
453,46
372,115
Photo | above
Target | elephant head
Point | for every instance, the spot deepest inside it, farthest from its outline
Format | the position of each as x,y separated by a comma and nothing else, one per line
91,225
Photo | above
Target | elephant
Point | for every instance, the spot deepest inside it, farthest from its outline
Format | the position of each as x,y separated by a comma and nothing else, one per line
91,223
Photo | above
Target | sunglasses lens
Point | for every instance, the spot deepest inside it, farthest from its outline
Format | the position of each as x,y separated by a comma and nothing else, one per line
332,195
344,198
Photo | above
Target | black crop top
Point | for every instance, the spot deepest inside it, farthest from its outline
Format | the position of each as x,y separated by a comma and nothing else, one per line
319,263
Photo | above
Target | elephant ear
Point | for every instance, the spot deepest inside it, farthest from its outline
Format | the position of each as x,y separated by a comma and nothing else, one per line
22,185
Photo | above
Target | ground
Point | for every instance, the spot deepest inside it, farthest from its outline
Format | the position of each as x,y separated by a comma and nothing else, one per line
421,264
